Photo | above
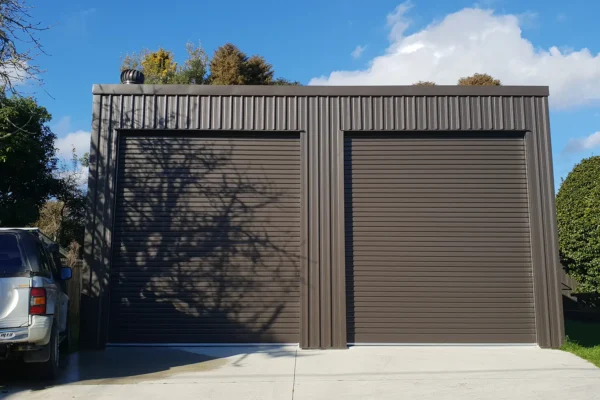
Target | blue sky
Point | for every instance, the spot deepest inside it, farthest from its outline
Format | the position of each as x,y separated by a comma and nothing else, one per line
339,42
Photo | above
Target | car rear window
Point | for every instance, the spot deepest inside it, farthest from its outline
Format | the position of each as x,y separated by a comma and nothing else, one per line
10,254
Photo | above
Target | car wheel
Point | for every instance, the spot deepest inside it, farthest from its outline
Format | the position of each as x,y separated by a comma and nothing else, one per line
50,368
65,344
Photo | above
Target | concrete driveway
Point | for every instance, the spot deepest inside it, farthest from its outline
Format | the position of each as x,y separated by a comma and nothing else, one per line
262,373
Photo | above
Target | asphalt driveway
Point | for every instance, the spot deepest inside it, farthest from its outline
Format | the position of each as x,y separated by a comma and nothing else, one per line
262,373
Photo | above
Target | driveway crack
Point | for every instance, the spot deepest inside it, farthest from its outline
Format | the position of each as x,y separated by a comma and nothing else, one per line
294,380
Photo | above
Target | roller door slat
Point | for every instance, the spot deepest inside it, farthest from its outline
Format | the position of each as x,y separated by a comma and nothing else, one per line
206,240
437,239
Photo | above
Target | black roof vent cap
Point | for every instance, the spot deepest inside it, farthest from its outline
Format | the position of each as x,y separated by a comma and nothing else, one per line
132,77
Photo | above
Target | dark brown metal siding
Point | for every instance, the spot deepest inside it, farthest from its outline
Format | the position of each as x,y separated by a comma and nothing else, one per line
206,244
437,239
322,116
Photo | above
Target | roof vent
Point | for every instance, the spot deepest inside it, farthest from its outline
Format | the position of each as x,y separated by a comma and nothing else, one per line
132,77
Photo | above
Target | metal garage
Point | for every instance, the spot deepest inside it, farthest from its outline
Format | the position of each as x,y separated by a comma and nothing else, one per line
323,216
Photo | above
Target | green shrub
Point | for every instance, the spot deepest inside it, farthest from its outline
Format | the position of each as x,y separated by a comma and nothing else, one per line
578,210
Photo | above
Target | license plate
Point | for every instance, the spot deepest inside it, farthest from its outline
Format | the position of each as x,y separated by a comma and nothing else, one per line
7,335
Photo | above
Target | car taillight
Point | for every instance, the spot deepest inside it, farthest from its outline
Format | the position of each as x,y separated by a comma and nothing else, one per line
37,302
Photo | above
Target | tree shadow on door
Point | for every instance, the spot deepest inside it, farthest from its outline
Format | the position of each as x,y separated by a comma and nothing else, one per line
206,240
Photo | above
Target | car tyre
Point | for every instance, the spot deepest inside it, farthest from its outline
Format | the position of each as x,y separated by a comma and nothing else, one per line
65,345
50,368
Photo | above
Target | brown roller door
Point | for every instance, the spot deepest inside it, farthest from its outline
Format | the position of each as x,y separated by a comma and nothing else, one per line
437,239
206,239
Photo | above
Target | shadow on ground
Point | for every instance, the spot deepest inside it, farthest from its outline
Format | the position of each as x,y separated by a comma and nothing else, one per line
584,333
128,365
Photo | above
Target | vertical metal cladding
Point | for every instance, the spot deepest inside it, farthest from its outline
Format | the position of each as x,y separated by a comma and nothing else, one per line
322,115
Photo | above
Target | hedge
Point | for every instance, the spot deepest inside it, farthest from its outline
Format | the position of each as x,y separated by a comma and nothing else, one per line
578,211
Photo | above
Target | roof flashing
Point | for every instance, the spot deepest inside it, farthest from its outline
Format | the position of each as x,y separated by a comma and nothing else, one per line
266,90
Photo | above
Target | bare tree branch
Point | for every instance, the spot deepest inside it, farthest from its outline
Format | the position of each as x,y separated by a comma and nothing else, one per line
19,45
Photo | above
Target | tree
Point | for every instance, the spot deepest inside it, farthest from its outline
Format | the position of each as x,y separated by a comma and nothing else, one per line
578,212
19,45
230,66
285,82
257,71
62,218
479,80
27,160
195,67
424,83
50,220
159,67
227,66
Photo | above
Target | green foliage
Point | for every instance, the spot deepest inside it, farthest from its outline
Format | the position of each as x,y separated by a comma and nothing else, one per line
578,211
85,160
159,67
424,83
583,340
285,82
132,61
591,354
257,71
228,66
27,160
479,80
195,68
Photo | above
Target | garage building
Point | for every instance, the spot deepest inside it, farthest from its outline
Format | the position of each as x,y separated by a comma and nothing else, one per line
323,216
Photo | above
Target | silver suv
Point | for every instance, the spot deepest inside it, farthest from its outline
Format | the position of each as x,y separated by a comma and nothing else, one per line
33,300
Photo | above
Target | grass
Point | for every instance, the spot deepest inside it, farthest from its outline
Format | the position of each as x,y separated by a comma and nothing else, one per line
583,340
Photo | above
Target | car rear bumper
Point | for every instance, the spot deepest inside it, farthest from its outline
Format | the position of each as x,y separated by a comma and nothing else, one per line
37,333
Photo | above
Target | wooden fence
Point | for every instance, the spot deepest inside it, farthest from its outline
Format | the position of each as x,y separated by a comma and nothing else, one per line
577,306
568,286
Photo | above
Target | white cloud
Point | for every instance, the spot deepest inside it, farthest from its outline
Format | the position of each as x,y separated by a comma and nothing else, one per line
16,74
80,140
397,22
582,144
357,52
476,40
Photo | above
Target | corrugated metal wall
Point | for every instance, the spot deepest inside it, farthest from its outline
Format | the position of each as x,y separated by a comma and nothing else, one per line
322,115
